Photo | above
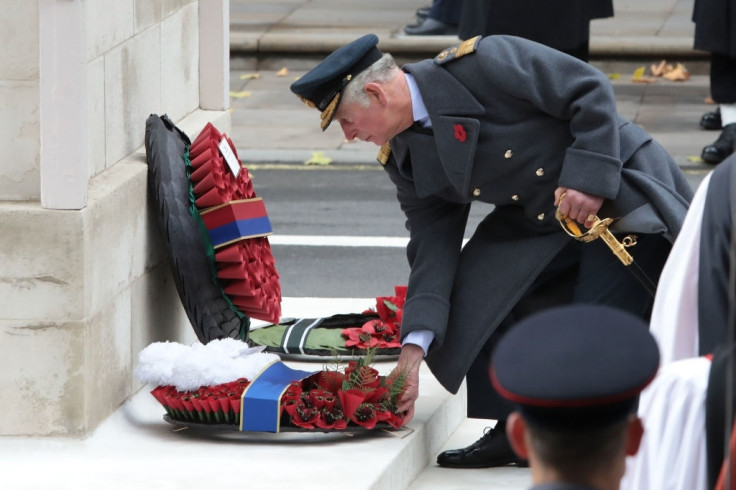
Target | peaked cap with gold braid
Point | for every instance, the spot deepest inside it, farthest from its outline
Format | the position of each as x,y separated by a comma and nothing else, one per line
323,85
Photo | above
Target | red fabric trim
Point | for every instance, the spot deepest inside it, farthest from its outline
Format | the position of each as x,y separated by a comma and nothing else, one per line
583,402
234,211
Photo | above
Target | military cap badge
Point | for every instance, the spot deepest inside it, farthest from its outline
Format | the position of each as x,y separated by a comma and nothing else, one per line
323,85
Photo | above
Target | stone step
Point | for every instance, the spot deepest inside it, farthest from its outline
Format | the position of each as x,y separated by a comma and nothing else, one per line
136,448
504,478
264,31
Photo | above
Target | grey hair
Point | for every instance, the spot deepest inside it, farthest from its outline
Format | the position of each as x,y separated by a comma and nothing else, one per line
381,71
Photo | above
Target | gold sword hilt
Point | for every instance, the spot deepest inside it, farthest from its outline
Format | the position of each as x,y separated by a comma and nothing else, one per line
599,230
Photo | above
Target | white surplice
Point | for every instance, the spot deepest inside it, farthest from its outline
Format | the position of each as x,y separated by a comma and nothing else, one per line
672,455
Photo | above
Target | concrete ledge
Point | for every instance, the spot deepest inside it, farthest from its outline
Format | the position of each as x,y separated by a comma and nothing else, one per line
445,414
193,123
136,448
644,46
317,44
502,478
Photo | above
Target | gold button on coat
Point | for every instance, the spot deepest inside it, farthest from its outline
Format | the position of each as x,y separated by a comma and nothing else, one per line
540,172
508,154
515,197
476,192
540,216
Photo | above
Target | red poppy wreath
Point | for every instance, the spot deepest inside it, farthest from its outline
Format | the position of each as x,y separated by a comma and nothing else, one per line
227,384
350,334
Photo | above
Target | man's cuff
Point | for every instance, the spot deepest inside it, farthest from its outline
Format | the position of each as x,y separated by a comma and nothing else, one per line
592,173
422,338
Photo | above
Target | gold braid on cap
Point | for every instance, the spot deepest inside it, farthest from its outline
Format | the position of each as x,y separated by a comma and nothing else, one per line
309,103
329,111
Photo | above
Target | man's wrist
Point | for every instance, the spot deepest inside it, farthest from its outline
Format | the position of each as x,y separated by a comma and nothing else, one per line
421,338
411,356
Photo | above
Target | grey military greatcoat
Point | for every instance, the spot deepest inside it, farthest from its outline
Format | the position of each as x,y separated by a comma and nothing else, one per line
511,121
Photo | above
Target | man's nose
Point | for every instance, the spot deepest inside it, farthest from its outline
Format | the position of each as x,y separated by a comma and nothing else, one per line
347,131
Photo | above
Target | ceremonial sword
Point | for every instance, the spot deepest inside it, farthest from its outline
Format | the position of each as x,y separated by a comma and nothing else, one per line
600,230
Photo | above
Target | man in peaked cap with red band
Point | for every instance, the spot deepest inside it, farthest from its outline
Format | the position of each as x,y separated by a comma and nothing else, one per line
510,123
574,374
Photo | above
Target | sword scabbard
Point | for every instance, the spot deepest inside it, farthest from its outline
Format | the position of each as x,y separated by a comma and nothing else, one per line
616,247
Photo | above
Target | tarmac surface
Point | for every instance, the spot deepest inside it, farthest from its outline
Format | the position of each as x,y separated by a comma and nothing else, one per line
273,42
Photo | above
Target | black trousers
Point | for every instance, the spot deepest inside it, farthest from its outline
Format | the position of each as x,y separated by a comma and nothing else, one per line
447,11
582,52
585,273
723,78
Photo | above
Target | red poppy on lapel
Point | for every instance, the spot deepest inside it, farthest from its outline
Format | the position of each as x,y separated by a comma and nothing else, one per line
460,133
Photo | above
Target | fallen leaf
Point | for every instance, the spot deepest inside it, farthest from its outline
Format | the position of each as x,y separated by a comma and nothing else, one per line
318,158
694,159
673,73
239,95
639,76
659,69
250,76
678,74
614,76
282,72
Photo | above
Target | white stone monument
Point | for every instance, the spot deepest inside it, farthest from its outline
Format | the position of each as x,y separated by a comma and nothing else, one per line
84,284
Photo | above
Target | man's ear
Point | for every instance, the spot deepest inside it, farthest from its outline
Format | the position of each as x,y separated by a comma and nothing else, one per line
516,431
634,433
376,92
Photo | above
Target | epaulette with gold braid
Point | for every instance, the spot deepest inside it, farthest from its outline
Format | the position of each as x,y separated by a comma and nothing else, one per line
384,153
455,52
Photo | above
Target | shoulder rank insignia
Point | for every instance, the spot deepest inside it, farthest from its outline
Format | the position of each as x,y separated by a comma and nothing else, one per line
384,153
455,52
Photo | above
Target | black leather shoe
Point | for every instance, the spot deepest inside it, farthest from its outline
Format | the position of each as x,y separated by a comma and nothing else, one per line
711,120
722,147
492,449
431,27
422,14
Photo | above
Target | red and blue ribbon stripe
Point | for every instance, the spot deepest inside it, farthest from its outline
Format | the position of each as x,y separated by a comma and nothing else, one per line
260,405
236,220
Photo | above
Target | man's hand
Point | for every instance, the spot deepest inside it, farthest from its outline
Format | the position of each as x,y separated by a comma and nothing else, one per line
408,366
578,205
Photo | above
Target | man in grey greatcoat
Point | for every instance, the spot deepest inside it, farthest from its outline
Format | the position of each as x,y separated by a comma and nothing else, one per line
513,123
